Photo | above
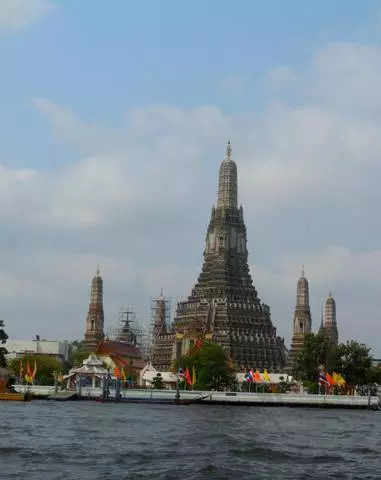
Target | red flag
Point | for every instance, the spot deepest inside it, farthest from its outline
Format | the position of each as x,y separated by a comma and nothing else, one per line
188,377
329,379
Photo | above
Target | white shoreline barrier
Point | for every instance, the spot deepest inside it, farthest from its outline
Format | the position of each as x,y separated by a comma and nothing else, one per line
217,398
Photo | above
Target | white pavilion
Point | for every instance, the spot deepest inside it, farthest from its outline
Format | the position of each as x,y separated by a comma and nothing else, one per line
92,368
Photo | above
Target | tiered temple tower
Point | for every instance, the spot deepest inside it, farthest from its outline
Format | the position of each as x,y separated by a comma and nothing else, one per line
328,327
302,320
224,306
95,317
161,339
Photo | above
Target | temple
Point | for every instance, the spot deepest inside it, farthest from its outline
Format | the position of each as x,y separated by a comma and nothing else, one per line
224,306
95,317
328,327
302,320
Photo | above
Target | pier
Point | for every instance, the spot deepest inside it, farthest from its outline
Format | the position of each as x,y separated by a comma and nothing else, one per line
211,398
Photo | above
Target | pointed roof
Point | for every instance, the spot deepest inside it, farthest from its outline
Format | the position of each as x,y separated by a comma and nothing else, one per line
227,181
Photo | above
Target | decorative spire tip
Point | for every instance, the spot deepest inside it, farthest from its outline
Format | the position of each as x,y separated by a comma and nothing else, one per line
97,269
302,270
229,151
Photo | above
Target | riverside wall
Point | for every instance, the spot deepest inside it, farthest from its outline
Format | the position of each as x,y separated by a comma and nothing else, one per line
222,398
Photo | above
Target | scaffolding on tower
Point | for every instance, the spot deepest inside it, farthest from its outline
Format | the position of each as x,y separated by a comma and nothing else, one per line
160,318
129,331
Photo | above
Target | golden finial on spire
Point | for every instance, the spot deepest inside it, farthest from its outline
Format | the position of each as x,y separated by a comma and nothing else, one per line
229,151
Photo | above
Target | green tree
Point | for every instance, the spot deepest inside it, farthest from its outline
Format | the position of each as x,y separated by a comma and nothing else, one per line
46,367
316,352
354,362
157,382
3,350
212,366
77,356
373,375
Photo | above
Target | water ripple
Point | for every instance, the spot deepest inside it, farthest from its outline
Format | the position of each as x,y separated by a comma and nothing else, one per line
56,441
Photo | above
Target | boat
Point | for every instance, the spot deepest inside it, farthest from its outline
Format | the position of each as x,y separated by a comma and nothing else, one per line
15,397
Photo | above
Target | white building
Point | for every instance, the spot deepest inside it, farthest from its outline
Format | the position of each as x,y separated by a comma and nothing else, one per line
53,348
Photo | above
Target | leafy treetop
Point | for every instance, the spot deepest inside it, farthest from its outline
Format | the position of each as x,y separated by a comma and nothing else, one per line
3,350
353,360
212,366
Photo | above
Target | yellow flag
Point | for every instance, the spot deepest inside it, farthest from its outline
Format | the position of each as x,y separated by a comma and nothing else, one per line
266,376
341,380
193,376
338,379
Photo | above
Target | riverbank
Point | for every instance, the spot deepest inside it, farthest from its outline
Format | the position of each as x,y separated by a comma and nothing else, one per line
210,398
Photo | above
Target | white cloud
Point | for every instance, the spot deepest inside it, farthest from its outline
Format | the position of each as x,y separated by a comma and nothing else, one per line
352,277
18,14
138,199
280,78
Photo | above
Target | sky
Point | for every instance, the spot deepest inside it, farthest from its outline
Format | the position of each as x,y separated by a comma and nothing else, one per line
113,122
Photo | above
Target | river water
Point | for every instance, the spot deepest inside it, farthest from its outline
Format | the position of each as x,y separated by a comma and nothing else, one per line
88,440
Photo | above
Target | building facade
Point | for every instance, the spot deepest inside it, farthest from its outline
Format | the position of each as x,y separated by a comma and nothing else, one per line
52,348
224,306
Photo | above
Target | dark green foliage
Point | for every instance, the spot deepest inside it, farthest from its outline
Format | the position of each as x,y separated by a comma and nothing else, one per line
3,350
316,352
157,382
212,366
352,360
77,356
47,367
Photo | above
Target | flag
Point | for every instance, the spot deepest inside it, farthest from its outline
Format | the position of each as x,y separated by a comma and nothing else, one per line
266,376
21,372
181,374
322,379
117,372
193,376
329,379
257,376
341,380
28,375
188,376
123,375
338,379
34,371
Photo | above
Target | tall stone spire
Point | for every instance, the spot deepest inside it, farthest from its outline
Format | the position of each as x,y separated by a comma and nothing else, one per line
302,320
302,292
329,328
224,306
95,317
227,181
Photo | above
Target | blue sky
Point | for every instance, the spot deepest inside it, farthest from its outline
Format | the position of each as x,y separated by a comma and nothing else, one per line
106,60
113,123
